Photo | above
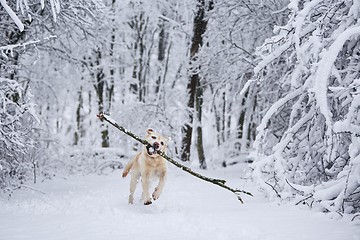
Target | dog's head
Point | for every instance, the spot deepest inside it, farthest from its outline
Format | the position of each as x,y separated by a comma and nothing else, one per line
156,143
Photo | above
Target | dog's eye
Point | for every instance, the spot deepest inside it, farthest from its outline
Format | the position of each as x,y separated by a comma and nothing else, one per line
162,143
153,137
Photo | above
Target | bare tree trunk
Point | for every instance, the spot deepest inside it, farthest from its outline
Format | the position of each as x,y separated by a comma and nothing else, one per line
99,86
223,119
164,58
79,131
139,24
200,24
187,128
161,55
199,145
241,119
246,125
110,84
104,83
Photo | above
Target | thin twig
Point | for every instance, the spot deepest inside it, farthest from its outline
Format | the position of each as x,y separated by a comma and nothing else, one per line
277,193
219,182
303,200
357,215
31,188
297,190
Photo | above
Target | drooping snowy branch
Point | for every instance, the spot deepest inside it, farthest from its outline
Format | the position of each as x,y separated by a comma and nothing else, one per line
323,73
307,146
13,15
23,7
8,50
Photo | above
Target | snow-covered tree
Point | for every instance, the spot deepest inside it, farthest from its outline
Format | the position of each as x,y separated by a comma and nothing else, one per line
194,86
27,27
307,145
224,64
17,114
16,136
128,61
98,62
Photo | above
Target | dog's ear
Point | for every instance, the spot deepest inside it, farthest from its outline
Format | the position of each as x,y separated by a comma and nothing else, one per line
150,130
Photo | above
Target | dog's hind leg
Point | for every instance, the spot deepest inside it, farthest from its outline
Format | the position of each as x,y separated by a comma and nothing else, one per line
135,175
145,187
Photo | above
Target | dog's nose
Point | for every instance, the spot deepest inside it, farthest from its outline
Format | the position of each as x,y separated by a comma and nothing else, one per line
156,145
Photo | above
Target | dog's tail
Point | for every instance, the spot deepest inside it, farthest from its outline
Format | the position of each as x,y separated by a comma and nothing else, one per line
128,166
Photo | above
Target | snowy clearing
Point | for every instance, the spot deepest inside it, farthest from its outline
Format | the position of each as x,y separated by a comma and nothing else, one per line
95,207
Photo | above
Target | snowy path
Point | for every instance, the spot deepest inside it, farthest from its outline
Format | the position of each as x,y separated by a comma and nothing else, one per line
95,207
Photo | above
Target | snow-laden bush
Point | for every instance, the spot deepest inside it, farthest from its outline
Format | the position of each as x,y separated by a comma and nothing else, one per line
308,144
16,136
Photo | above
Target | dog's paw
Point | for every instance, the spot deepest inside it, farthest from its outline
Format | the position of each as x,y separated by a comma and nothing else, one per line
156,194
125,173
155,197
131,200
148,202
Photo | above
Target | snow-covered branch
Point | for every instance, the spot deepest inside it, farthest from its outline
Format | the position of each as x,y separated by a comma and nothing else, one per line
9,49
13,15
23,6
308,139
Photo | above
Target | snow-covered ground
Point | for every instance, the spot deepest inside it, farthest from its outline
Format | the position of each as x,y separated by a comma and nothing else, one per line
95,207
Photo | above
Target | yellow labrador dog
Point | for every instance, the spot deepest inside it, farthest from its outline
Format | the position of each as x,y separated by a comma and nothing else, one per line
148,164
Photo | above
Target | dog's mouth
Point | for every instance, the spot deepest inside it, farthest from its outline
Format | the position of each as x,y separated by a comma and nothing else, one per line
150,149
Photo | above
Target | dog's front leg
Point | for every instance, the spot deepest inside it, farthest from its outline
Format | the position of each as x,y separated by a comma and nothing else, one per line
145,187
160,186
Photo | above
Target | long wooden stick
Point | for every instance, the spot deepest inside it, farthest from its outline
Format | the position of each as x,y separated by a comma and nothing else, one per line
219,182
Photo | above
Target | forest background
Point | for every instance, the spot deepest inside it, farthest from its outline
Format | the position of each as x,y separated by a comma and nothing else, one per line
278,80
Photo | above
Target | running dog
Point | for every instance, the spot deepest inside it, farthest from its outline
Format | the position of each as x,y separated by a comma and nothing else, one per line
148,164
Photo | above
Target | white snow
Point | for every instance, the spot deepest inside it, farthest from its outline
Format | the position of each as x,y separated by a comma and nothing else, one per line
95,207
